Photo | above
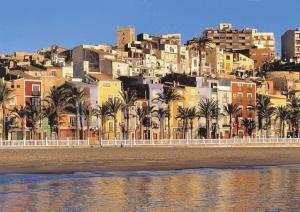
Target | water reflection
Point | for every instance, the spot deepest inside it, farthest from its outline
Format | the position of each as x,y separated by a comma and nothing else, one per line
275,188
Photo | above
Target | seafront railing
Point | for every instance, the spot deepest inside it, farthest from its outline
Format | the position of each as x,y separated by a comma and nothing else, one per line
166,142
174,142
43,143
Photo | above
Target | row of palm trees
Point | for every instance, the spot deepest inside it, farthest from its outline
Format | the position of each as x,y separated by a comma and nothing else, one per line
64,99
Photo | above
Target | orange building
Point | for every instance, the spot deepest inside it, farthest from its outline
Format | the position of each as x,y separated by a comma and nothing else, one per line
244,95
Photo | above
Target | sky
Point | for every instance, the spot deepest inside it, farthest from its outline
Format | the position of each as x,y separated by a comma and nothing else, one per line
33,24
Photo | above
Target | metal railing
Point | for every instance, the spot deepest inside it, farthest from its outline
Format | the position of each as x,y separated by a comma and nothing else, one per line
175,142
43,143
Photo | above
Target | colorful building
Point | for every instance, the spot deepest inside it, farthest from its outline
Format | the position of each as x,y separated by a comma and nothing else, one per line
107,88
244,95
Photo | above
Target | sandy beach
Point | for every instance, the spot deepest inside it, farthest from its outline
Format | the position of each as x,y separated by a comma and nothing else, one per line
68,160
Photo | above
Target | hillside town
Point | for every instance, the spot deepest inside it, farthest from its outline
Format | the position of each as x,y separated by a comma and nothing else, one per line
224,83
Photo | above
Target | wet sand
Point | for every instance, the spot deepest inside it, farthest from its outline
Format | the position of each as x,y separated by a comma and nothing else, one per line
68,160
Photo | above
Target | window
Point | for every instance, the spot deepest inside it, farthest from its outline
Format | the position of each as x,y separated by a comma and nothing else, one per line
53,73
18,86
35,90
249,87
227,57
249,99
240,98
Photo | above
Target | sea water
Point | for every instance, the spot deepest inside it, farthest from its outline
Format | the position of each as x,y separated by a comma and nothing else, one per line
274,188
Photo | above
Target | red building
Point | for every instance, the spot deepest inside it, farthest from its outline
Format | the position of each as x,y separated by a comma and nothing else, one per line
244,95
33,92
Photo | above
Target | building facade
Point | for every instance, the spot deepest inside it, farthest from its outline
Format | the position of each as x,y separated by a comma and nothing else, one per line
290,45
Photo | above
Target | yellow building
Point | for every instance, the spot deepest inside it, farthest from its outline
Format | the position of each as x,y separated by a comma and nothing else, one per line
190,99
108,88
228,62
243,62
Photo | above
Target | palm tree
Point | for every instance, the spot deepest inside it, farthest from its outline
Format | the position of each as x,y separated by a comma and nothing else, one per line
294,108
114,106
183,115
199,44
268,117
147,122
168,95
231,110
161,114
249,125
88,112
207,109
34,115
102,114
192,114
5,97
282,114
128,97
78,97
265,110
21,113
57,102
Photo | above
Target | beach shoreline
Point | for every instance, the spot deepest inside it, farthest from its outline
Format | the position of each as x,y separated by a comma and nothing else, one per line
164,158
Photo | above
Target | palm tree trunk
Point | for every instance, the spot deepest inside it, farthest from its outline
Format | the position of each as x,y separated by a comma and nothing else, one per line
280,128
88,129
115,126
207,128
192,126
3,123
169,122
237,127
77,128
267,130
186,129
230,127
24,128
58,128
58,132
141,130
169,128
297,128
161,128
260,127
100,131
283,129
128,134
80,120
103,128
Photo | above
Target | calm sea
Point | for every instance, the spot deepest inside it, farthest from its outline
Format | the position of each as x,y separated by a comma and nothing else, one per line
243,189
